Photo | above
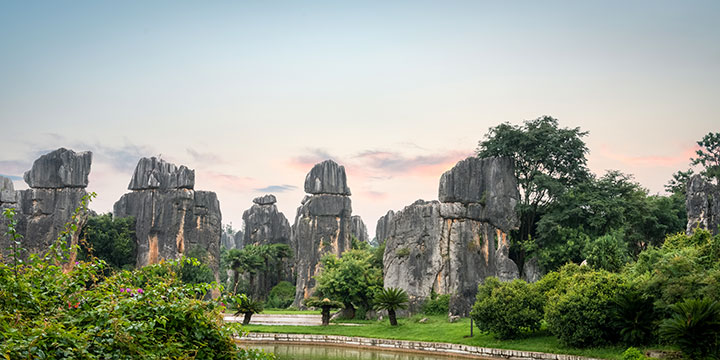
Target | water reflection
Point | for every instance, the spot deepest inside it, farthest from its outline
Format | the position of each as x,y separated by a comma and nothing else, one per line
320,352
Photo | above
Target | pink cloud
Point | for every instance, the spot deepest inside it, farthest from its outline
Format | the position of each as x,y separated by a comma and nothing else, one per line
651,161
228,181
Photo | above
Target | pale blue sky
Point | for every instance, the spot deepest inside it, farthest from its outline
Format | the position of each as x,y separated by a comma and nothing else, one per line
250,94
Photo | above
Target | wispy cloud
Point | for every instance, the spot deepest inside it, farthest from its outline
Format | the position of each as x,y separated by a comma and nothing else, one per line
653,160
228,181
312,157
276,188
393,162
207,158
375,195
14,168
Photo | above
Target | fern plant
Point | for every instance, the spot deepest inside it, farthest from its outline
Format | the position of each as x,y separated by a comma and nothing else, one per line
694,327
391,299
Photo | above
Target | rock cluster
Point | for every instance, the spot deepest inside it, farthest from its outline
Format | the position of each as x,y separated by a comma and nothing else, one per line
359,230
323,224
703,205
171,218
383,226
452,245
57,183
265,225
231,240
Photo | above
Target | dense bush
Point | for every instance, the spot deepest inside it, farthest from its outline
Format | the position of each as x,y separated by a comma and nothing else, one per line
580,311
351,279
437,304
608,252
196,272
633,354
52,308
508,310
281,295
634,317
110,239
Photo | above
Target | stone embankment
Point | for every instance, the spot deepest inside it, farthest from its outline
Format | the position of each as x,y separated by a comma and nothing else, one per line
406,345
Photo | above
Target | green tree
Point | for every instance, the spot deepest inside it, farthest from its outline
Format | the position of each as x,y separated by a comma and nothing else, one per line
281,295
679,181
110,239
196,272
391,299
246,306
350,279
548,160
247,260
709,156
607,252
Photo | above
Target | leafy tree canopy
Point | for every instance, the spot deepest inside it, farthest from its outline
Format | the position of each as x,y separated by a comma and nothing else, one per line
709,156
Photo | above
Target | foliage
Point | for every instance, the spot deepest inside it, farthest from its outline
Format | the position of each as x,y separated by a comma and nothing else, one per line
633,354
196,272
678,183
281,296
326,305
391,299
437,304
709,156
253,259
16,249
244,305
548,160
580,306
111,240
607,252
634,317
695,328
508,310
350,279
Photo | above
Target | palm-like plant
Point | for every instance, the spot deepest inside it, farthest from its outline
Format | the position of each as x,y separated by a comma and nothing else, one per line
247,306
391,299
326,305
695,328
634,316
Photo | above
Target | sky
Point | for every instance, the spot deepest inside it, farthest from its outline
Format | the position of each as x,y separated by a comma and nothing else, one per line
251,94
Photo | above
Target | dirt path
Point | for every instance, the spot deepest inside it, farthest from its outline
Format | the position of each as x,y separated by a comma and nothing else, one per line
279,319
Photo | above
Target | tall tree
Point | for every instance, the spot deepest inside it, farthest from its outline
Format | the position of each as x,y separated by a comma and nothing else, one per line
351,279
548,160
709,156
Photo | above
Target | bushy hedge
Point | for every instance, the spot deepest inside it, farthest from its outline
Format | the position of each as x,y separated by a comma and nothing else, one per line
281,295
580,312
437,304
508,310
80,313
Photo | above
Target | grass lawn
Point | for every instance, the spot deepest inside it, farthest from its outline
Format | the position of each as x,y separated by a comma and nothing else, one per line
438,329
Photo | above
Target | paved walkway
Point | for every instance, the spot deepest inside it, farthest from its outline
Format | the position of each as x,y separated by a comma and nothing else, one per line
284,319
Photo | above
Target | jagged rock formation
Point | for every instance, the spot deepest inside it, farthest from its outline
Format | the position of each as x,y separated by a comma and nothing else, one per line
265,225
703,205
359,230
382,227
171,218
231,239
322,225
57,183
531,270
452,245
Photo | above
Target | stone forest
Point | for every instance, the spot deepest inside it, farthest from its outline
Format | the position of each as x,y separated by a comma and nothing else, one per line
542,259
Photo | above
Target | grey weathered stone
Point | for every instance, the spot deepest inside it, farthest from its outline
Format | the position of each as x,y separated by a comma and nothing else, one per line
359,230
227,239
703,205
382,228
239,239
450,247
531,270
268,199
323,224
265,225
61,168
327,177
153,173
170,218
57,185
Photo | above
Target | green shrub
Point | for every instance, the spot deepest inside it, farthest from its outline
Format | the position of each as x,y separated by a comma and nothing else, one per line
281,296
607,252
437,304
579,312
634,317
633,354
508,310
196,272
695,328
110,239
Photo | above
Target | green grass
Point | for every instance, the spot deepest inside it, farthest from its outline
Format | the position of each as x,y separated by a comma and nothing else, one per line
438,329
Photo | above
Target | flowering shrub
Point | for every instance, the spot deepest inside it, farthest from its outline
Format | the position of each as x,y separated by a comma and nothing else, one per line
51,310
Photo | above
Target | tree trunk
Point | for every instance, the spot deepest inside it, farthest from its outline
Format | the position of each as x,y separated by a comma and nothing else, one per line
326,315
349,311
246,319
391,315
236,278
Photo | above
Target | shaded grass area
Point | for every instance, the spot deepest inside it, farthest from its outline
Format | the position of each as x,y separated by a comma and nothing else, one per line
438,329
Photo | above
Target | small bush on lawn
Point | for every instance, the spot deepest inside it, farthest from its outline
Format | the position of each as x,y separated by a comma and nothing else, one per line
580,311
281,296
508,310
437,304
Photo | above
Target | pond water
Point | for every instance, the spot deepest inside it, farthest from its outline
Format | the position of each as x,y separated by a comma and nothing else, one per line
324,352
